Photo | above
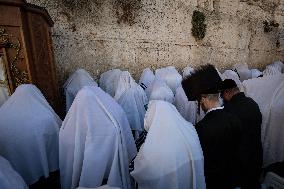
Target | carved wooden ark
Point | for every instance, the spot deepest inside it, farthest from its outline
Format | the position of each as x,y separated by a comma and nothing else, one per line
26,54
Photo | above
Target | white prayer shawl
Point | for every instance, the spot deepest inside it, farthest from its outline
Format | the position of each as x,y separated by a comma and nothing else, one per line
271,70
255,73
243,71
109,81
188,109
268,92
171,157
160,91
279,65
9,178
75,82
101,187
133,102
29,134
147,77
125,82
230,74
219,73
187,71
95,142
170,76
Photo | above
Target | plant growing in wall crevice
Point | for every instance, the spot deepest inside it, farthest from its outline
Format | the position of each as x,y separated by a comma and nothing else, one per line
198,29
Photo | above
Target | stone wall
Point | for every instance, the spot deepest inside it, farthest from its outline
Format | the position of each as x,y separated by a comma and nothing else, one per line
98,35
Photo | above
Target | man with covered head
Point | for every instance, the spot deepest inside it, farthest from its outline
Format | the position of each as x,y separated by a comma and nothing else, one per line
219,131
247,110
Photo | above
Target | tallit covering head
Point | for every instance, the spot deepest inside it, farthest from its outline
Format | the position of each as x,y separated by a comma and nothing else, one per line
170,76
109,81
243,71
101,187
75,82
160,91
95,142
9,178
230,74
278,65
29,134
268,92
255,73
133,102
171,156
272,69
125,81
147,77
205,80
188,109
187,71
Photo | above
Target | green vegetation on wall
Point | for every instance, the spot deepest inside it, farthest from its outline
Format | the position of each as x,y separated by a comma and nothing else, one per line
198,29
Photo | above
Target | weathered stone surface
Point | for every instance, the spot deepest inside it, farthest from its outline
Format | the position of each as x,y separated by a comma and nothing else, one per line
90,34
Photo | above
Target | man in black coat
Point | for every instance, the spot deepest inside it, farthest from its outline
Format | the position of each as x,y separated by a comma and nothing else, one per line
248,112
219,131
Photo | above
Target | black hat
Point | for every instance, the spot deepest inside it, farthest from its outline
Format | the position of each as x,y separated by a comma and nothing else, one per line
205,80
228,84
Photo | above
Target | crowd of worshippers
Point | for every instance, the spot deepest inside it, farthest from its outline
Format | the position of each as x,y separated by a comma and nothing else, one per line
198,130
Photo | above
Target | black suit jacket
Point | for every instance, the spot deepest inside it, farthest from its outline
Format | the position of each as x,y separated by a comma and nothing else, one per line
248,112
219,134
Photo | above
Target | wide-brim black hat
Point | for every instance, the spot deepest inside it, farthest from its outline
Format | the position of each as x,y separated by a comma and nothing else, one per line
205,80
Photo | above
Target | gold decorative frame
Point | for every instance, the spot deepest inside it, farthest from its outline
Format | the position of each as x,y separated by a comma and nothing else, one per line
19,77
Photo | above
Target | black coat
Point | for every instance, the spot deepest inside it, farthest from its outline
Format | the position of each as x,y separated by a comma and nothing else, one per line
248,112
219,134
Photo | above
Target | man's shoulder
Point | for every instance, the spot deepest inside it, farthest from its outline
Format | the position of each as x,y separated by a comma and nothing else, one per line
241,102
245,99
218,116
219,120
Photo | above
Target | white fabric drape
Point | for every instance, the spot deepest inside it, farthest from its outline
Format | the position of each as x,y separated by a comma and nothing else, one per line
187,71
255,73
108,81
171,157
125,81
272,69
9,178
29,134
230,74
160,91
243,71
101,187
95,142
268,92
276,66
133,102
147,77
170,76
75,82
188,109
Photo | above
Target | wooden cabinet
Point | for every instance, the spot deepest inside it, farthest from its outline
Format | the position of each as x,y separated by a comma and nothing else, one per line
26,48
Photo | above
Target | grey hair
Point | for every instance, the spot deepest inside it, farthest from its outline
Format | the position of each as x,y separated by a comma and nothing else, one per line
214,97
